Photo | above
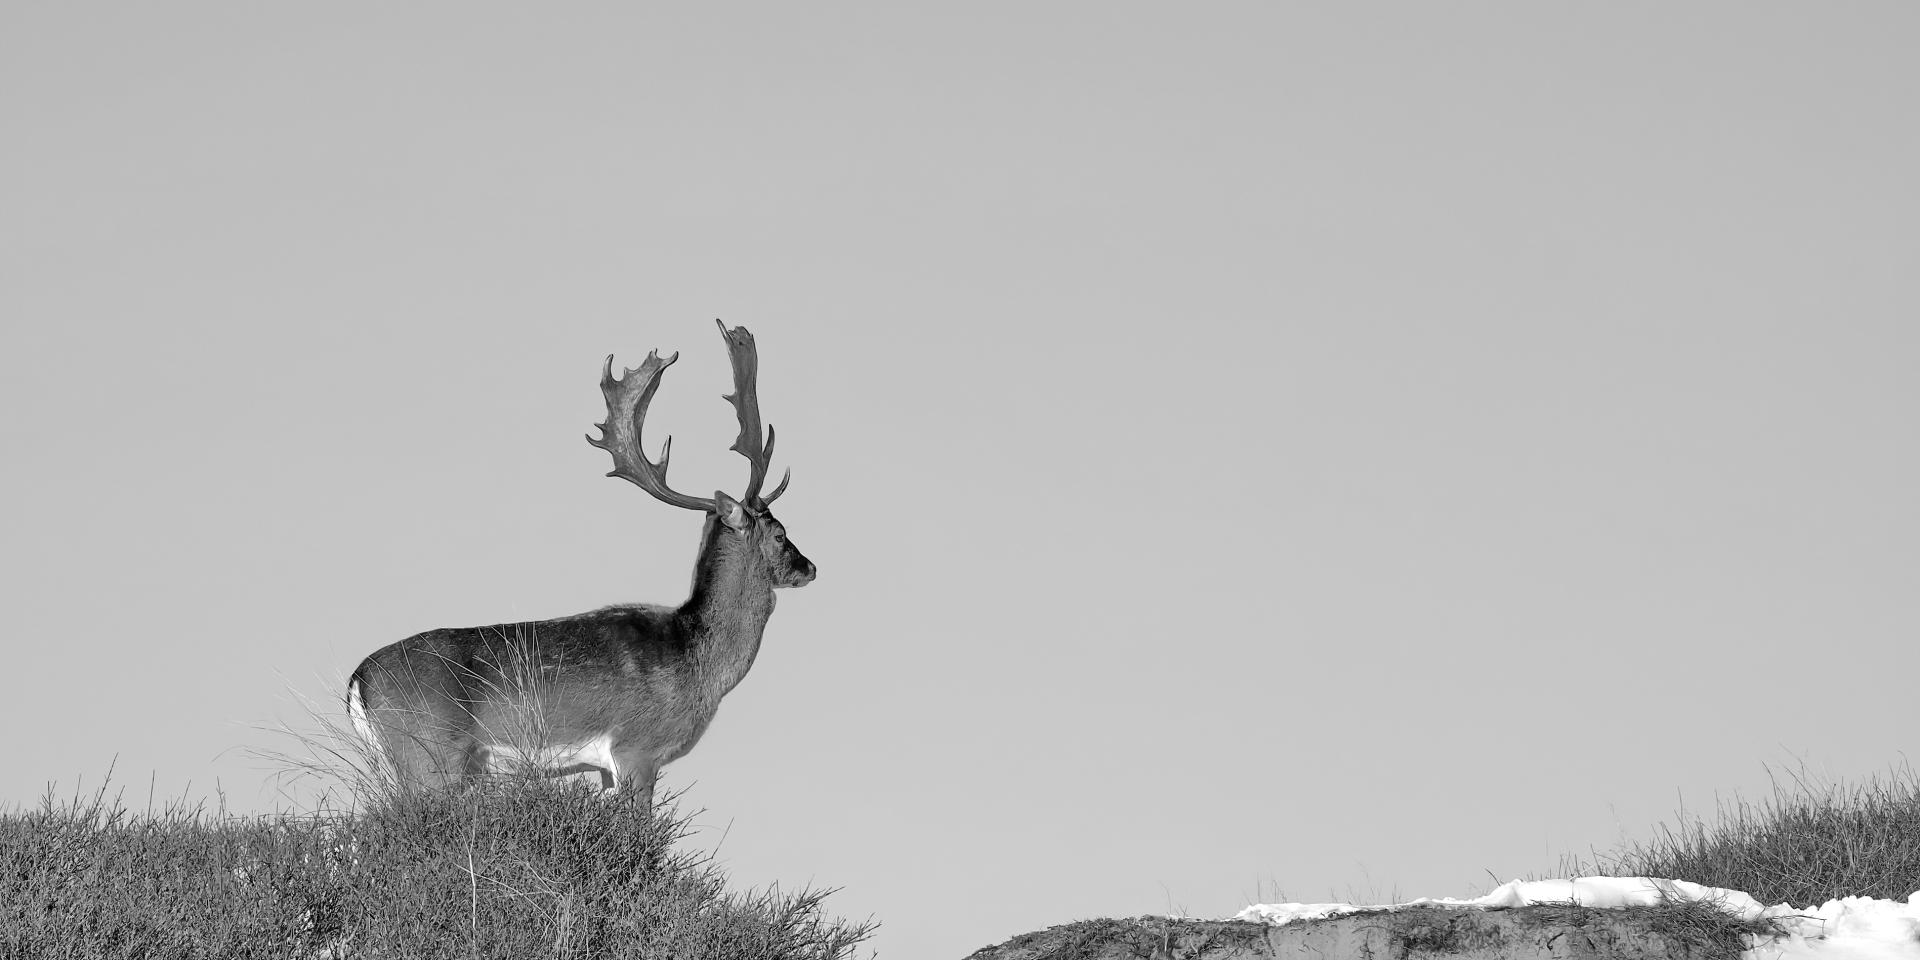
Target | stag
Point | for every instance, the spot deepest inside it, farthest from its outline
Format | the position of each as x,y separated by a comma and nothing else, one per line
625,689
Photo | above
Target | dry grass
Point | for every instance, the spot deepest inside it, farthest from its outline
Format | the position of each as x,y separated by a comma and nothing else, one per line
1805,844
502,867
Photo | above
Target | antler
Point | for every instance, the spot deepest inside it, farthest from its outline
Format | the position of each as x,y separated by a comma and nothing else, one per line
746,405
627,400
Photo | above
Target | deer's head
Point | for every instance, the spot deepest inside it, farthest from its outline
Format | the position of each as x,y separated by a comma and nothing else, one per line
749,525
765,540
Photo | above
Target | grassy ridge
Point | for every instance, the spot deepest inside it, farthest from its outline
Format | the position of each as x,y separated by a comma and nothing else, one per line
503,867
1806,844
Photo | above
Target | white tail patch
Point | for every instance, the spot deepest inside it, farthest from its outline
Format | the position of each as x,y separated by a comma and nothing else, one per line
357,709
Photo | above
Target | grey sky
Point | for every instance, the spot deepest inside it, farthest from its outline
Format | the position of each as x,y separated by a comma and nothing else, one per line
1249,450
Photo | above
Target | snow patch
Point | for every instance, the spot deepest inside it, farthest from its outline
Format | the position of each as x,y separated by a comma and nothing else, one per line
1850,928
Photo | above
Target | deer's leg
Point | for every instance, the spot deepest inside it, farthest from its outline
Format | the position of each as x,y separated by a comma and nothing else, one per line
421,753
474,758
438,761
633,774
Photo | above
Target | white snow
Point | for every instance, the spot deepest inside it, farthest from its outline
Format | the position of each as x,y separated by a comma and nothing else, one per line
1851,928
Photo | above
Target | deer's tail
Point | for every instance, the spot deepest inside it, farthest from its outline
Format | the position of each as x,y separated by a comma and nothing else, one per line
357,710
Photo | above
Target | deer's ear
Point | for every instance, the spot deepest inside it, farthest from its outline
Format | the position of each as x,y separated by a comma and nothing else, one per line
731,512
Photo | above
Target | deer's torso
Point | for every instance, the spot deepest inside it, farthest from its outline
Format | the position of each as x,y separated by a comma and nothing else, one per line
572,686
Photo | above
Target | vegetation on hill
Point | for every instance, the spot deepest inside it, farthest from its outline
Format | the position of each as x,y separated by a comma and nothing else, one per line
1806,844
501,867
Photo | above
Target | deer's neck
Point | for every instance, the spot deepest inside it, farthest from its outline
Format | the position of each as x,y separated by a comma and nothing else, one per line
727,611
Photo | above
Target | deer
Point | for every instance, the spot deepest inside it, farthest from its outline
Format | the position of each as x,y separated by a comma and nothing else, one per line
624,689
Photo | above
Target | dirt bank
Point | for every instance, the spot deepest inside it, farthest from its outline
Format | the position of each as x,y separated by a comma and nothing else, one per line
1680,931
